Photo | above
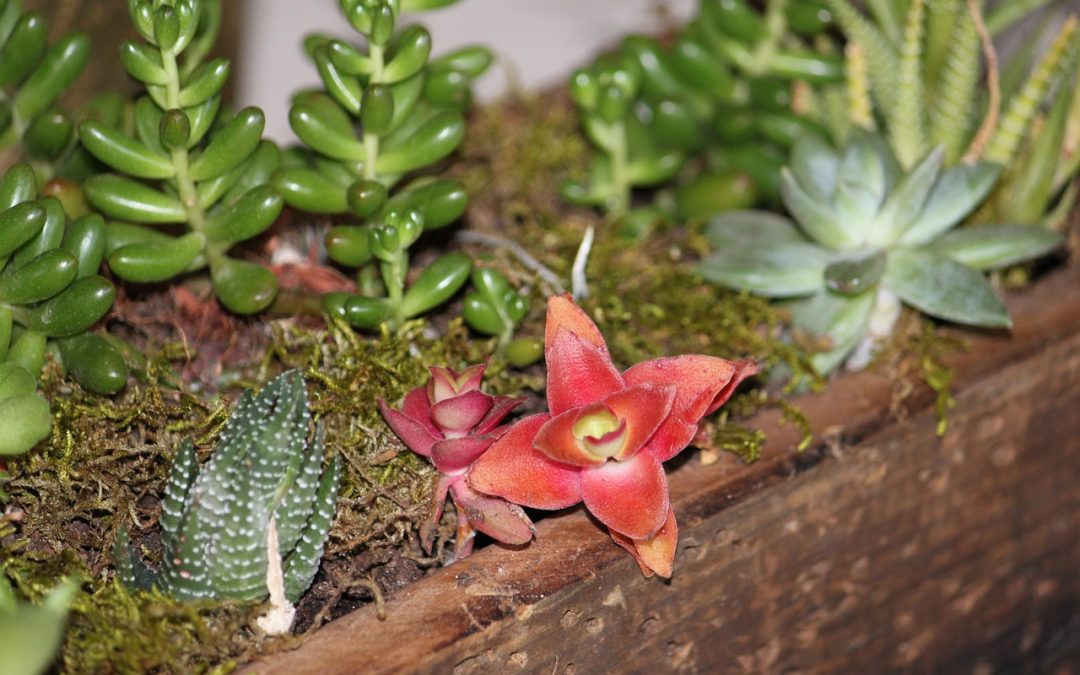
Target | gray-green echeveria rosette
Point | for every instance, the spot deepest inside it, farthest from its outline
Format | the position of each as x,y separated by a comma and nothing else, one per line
868,237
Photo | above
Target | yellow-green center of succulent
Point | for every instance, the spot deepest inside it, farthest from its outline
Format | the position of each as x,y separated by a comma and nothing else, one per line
600,432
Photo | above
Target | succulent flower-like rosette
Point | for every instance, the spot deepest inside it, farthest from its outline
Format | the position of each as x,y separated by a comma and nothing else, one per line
452,423
607,435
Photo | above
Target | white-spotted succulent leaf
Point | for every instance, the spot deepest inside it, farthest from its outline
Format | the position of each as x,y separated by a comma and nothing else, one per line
867,236
265,473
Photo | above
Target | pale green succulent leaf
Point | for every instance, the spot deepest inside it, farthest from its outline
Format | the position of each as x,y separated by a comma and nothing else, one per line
856,273
957,192
818,219
763,254
935,284
840,319
989,247
815,165
906,202
860,183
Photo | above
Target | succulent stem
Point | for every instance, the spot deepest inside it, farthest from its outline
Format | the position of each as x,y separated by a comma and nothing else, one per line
883,318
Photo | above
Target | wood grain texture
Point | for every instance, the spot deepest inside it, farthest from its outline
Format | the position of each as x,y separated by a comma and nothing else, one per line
893,550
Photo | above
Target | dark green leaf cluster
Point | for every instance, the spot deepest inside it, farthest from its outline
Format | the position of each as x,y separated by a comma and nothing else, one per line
386,112
494,307
264,483
722,91
868,235
33,75
188,162
50,293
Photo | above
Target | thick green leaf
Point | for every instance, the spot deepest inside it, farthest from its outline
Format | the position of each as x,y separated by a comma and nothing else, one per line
151,261
59,67
344,88
74,310
120,197
49,135
28,351
363,312
436,139
763,253
39,279
248,217
48,237
407,55
957,192
326,129
23,49
18,184
18,225
124,153
85,239
472,60
243,287
349,245
15,381
436,284
94,363
440,202
25,420
205,81
990,247
306,189
938,285
143,62
230,146
860,184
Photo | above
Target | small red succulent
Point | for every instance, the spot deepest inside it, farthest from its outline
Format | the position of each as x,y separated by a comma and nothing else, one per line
452,423
607,435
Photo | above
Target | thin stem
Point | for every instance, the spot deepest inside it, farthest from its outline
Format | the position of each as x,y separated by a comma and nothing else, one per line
185,186
371,141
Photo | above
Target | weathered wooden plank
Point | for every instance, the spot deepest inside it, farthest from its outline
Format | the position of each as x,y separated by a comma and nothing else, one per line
903,551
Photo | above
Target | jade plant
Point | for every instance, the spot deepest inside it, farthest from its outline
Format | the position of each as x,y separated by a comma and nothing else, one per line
494,307
922,67
386,112
867,236
607,434
252,522
190,162
33,75
452,423
721,91
50,291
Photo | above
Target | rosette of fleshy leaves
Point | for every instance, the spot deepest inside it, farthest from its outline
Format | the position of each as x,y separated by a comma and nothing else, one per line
189,163
33,75
920,69
867,237
252,521
452,423
50,294
386,112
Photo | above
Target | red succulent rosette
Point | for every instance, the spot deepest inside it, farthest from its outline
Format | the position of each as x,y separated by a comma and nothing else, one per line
452,422
607,435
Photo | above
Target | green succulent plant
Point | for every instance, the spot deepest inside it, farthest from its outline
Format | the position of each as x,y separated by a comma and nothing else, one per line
33,75
50,292
189,162
721,91
495,308
868,236
924,65
30,634
387,112
253,520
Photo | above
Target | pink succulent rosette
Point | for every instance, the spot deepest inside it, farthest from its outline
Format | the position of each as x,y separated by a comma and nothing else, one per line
452,423
607,435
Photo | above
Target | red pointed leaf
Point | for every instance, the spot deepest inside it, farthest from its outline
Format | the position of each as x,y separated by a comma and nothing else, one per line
630,497
438,499
578,373
556,439
656,554
446,383
497,518
413,434
454,454
644,409
514,470
563,313
457,415
503,406
417,407
702,384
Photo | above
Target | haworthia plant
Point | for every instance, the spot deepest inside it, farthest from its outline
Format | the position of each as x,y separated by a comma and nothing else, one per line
189,163
386,112
50,291
867,236
33,75
255,517
926,87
